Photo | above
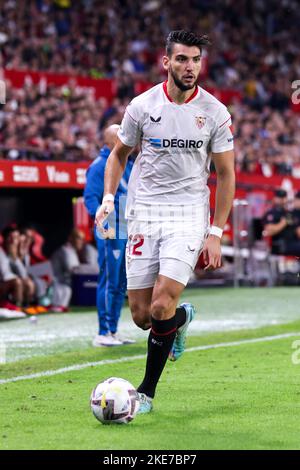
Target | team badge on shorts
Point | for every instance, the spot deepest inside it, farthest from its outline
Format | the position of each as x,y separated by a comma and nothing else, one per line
200,121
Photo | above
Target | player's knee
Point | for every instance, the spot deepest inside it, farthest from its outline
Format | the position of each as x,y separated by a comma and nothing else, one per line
17,283
28,283
140,317
141,322
160,308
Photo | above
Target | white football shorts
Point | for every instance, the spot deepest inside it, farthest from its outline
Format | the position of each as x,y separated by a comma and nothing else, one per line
166,248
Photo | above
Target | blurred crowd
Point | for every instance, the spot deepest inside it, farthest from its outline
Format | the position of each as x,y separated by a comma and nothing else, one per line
33,284
66,123
255,50
54,123
266,142
255,44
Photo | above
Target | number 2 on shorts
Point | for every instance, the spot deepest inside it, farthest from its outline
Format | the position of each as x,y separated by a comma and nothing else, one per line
136,241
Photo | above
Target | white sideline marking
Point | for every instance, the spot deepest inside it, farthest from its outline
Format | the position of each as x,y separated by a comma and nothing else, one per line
49,373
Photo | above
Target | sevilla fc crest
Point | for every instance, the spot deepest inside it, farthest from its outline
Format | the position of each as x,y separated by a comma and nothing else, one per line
200,121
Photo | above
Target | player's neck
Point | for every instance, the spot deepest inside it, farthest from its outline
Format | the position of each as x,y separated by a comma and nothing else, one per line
177,95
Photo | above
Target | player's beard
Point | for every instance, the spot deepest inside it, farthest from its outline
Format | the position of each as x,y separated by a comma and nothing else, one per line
179,83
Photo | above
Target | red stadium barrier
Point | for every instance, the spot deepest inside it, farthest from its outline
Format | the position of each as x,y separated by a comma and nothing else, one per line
106,88
33,174
102,87
24,174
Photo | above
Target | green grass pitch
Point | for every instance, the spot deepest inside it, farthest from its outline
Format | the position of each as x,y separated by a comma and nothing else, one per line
243,396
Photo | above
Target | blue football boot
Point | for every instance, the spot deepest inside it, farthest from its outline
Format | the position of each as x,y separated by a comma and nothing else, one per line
179,342
145,403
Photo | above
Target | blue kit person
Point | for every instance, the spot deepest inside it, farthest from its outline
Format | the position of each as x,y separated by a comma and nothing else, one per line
111,252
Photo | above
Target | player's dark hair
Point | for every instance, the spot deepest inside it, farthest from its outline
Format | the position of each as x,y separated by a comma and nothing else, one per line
8,230
187,38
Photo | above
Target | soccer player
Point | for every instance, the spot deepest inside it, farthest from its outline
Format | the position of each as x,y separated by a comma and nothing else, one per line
178,124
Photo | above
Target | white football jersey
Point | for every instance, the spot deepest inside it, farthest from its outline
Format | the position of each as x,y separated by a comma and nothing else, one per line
173,166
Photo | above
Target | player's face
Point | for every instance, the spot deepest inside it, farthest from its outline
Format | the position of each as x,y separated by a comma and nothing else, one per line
184,66
280,201
297,203
78,240
14,237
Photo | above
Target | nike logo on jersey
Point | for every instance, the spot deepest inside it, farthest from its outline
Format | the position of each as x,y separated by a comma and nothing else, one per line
155,120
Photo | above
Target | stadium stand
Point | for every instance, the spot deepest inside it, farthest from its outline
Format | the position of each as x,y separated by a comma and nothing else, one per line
257,41
66,123
253,61
77,38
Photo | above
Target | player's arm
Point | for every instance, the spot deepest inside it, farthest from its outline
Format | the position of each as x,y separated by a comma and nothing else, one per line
115,167
224,165
273,229
114,170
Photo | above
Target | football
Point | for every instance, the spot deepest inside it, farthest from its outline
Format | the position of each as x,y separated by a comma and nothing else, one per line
115,401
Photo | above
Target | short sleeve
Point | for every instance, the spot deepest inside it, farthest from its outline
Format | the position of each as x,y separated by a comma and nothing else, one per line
270,218
130,129
222,138
6,273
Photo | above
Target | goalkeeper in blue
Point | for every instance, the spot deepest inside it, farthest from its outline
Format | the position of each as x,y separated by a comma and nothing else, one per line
111,251
180,127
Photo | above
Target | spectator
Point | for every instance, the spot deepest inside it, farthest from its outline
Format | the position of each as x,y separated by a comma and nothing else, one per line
11,245
278,224
293,247
296,215
65,262
61,124
67,257
30,251
11,286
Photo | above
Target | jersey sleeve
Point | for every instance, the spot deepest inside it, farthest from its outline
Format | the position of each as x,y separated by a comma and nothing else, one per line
222,138
130,129
93,191
270,218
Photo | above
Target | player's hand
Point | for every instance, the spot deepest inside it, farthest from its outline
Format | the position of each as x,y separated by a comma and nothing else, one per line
212,256
102,213
289,219
284,221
